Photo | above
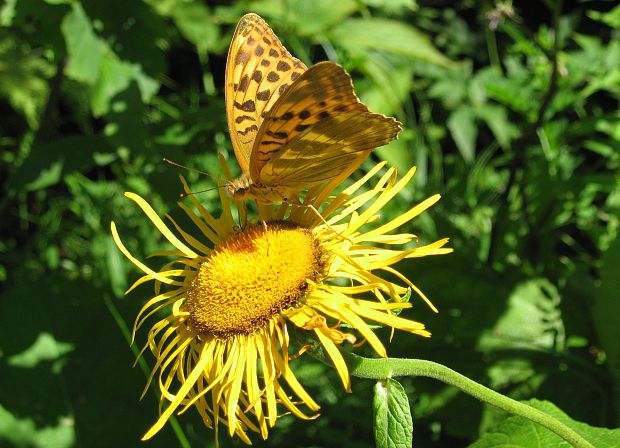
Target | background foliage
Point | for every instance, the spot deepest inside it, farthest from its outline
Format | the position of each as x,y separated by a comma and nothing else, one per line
510,113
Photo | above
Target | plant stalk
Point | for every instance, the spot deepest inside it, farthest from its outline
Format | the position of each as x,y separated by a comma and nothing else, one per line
382,368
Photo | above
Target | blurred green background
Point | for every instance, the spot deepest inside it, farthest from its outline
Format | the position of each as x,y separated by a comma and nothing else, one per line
510,112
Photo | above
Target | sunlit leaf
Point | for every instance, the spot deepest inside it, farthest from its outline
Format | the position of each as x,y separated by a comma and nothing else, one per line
306,18
387,35
24,431
532,320
24,76
195,22
116,76
84,48
393,423
610,18
94,63
518,431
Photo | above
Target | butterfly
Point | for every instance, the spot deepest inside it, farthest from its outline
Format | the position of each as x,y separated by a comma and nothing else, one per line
292,127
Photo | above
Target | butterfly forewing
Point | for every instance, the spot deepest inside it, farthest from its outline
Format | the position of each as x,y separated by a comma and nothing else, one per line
326,149
258,70
323,91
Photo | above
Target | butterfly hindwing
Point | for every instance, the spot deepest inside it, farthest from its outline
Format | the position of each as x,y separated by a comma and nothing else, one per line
259,69
323,91
326,149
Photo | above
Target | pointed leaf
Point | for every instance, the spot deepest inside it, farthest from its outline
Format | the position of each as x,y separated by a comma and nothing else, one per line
463,128
393,423
84,48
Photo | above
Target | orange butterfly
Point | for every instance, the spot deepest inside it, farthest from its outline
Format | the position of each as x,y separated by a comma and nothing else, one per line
292,127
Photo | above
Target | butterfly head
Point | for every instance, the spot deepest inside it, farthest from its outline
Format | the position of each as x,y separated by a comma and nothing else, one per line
240,188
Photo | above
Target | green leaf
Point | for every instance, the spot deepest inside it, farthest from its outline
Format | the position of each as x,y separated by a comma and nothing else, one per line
23,431
393,424
610,18
532,320
116,76
45,348
387,35
515,92
392,6
462,126
48,163
196,24
7,12
520,432
398,154
92,62
24,77
608,81
84,48
391,84
496,118
306,18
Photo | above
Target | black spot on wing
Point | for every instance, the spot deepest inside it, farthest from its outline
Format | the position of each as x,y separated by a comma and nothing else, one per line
252,128
263,95
242,58
242,118
247,106
283,66
278,135
243,85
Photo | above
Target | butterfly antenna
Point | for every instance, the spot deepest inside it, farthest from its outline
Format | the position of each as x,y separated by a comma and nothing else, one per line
185,167
193,193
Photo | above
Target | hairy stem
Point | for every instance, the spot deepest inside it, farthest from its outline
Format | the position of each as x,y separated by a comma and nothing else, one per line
390,367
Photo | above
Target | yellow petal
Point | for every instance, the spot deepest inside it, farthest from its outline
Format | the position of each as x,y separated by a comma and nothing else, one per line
150,213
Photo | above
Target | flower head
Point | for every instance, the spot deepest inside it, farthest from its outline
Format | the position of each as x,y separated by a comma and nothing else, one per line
231,294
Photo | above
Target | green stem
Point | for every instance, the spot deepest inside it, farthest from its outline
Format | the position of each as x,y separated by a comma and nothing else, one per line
492,49
390,367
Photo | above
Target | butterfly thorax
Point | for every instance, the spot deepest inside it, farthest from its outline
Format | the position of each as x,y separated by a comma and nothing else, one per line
244,188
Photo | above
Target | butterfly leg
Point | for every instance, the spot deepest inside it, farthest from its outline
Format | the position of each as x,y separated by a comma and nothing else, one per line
300,352
266,234
295,200
313,208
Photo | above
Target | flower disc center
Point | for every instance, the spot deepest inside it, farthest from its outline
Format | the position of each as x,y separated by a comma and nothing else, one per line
251,277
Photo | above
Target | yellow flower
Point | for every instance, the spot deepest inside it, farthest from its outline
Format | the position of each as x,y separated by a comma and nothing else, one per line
231,294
